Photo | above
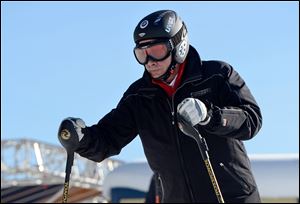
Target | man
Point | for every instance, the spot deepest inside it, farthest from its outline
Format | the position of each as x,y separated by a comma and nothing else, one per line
208,95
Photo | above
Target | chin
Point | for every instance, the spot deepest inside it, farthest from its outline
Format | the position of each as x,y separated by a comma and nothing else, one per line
156,76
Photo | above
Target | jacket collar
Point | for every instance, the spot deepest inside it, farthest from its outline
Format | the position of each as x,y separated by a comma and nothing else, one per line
193,68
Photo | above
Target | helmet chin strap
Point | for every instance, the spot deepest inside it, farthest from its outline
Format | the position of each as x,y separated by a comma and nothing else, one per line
169,71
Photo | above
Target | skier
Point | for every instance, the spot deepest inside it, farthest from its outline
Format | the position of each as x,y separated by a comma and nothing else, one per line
210,95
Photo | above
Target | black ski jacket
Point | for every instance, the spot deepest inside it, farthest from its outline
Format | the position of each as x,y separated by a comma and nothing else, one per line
147,111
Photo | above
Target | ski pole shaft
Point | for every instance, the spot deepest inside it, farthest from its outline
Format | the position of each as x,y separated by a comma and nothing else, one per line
205,156
70,159
157,186
203,148
214,181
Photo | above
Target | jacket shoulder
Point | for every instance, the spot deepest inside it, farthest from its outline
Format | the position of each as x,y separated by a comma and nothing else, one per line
212,67
134,87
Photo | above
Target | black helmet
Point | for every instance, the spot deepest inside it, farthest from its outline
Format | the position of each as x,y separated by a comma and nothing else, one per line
164,24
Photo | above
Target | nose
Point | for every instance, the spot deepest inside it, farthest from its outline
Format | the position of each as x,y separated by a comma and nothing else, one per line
151,63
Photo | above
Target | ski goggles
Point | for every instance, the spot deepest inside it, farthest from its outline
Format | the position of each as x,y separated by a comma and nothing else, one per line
156,51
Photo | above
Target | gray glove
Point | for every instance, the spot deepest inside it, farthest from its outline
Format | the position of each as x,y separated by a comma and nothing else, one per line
193,111
70,133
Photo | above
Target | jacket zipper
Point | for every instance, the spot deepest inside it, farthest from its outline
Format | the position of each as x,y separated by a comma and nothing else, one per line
177,140
179,149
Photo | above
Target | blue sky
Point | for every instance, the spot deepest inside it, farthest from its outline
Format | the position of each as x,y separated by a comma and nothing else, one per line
61,59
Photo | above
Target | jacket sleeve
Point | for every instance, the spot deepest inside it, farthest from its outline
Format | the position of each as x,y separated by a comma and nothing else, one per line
238,116
114,131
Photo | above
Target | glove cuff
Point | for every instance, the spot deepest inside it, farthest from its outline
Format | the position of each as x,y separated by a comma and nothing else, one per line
205,121
210,114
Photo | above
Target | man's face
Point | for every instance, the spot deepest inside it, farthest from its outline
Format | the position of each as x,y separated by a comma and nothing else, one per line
154,67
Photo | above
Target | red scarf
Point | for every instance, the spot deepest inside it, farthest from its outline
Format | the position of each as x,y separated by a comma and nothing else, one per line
170,90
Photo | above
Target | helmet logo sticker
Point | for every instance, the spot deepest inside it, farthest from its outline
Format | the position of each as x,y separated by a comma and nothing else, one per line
182,49
157,20
144,24
170,24
142,34
160,17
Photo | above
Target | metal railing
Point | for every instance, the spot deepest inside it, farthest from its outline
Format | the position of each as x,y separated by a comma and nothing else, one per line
30,162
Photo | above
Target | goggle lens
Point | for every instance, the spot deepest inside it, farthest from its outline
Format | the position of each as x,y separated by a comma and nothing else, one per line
155,52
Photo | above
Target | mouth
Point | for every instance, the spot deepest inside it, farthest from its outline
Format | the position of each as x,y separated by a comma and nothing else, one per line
155,71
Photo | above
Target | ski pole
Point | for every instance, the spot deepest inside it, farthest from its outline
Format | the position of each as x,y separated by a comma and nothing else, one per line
68,137
193,133
157,188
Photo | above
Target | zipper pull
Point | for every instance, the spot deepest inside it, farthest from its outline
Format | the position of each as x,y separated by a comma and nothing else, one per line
173,118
